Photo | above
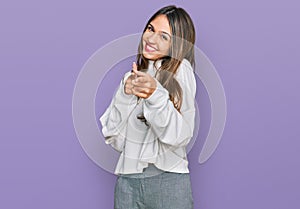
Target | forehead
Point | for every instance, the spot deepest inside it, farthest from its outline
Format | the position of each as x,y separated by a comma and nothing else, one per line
161,23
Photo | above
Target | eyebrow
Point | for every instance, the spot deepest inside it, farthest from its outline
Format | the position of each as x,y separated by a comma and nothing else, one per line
160,31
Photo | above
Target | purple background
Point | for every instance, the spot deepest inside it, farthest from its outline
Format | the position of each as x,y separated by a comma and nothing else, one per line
254,46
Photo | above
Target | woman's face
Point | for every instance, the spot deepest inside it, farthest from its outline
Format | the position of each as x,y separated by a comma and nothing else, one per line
157,38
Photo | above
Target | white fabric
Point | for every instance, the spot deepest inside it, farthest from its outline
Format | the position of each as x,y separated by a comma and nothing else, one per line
163,141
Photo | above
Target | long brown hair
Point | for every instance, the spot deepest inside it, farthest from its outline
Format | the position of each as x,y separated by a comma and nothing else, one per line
182,47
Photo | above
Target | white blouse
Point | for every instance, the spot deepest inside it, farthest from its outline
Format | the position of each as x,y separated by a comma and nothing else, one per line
163,138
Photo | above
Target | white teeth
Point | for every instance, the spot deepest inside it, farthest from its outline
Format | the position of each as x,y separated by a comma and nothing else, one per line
150,48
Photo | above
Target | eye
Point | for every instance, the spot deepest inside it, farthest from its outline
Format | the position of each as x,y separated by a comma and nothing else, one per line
150,28
165,37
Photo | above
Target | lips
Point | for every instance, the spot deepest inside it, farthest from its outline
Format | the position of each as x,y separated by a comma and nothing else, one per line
150,48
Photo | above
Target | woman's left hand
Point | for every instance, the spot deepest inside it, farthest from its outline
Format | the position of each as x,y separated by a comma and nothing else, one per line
144,84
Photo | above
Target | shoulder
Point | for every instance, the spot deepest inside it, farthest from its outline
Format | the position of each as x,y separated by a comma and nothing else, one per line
186,77
186,63
185,71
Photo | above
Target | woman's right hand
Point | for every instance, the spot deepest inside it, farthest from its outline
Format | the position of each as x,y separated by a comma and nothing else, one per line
128,87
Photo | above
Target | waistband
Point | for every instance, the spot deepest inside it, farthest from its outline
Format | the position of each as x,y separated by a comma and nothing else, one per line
149,171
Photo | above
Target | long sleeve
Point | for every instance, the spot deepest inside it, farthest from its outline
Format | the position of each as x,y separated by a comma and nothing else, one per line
114,119
170,126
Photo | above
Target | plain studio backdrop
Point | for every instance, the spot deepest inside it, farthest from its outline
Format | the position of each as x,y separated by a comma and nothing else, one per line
254,46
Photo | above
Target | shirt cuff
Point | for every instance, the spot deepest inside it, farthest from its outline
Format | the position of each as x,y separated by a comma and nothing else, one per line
158,97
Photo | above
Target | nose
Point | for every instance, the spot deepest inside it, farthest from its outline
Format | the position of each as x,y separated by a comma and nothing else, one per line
152,38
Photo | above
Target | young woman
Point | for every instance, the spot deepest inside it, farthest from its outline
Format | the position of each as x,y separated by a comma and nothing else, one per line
151,117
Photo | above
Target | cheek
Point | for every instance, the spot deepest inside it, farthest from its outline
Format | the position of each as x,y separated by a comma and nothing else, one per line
165,48
145,36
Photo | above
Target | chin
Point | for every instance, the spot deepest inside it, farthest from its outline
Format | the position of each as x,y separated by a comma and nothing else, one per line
149,57
152,56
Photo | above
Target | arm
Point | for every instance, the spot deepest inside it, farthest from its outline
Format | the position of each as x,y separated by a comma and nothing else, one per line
114,119
172,127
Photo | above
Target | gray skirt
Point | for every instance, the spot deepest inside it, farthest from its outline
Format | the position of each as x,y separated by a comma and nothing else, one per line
153,189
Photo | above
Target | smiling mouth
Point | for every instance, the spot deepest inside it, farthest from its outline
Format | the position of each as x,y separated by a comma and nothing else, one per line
149,48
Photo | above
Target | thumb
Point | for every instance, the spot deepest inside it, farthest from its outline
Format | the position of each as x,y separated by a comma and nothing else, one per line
135,70
134,67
